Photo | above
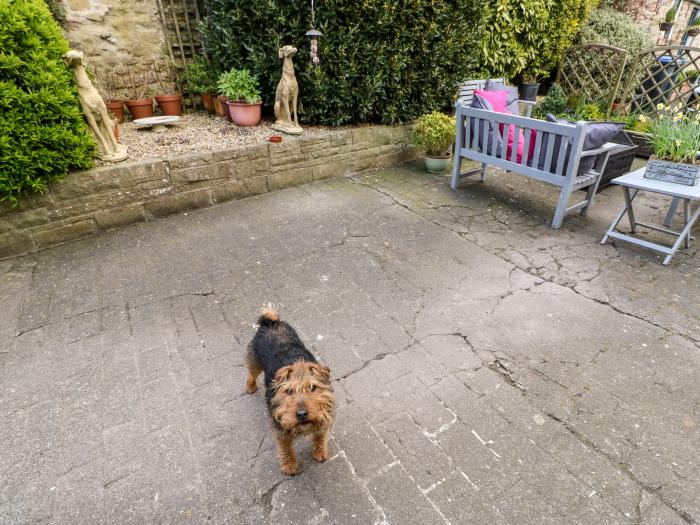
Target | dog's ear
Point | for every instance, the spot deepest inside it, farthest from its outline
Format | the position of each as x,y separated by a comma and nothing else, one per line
281,52
321,372
282,375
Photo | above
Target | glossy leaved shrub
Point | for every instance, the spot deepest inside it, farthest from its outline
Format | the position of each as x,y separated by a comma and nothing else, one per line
382,61
42,132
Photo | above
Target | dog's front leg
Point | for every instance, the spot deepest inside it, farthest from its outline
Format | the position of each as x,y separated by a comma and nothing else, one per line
320,452
294,105
285,453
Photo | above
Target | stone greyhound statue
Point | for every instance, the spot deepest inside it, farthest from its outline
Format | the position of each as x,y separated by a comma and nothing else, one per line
95,110
286,96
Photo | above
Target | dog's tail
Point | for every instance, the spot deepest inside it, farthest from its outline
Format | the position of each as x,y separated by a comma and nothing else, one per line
268,317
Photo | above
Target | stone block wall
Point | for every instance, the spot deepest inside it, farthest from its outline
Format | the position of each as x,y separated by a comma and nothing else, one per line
88,202
118,33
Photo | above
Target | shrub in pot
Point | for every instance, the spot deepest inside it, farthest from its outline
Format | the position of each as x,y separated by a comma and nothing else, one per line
243,96
434,134
199,78
669,20
693,28
530,85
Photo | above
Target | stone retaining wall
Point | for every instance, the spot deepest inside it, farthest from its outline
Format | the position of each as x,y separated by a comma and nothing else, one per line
88,202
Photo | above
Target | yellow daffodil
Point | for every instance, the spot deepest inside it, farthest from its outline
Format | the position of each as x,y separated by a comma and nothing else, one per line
660,106
642,118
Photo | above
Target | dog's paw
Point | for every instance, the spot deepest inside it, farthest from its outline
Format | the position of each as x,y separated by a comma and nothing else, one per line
320,454
251,387
289,468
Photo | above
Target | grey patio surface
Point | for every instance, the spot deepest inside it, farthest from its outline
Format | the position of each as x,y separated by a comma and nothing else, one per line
487,369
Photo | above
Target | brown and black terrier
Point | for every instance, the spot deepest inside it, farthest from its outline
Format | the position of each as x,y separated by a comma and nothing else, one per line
297,388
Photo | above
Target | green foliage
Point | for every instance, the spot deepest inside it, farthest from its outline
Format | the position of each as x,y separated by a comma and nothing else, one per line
199,77
554,102
239,84
608,26
528,37
381,60
675,137
670,17
42,131
434,133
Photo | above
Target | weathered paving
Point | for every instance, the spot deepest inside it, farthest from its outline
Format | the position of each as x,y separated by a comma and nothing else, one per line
488,369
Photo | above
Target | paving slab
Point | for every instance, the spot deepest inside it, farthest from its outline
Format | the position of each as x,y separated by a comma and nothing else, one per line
488,369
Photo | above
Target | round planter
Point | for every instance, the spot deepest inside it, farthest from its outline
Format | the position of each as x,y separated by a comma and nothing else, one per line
140,108
170,104
244,114
208,102
222,110
116,108
437,164
528,91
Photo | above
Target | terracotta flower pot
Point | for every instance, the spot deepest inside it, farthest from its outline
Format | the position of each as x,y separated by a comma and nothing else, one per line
208,102
244,114
222,108
170,104
140,108
116,108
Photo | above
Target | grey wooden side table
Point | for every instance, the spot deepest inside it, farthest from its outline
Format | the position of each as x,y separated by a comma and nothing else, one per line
632,184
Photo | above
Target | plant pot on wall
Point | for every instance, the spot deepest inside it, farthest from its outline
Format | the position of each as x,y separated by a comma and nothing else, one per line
528,91
693,31
142,108
116,108
208,102
170,104
437,164
245,114
665,26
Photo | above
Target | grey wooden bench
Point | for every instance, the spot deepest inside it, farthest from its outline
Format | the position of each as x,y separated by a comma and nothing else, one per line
494,153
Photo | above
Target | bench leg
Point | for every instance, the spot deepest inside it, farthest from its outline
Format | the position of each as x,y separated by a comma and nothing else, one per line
561,208
483,172
456,168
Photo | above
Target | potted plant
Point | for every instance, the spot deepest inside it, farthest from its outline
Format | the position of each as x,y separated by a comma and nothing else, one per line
106,84
693,28
243,96
200,79
169,101
139,105
669,20
675,140
530,84
434,134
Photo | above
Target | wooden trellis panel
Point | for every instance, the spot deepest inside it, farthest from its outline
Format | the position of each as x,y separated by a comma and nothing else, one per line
180,20
592,71
665,75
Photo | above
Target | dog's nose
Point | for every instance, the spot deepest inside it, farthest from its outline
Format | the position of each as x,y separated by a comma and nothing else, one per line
302,414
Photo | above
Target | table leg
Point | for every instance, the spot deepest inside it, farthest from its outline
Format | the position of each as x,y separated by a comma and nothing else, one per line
620,215
630,211
684,235
668,221
686,209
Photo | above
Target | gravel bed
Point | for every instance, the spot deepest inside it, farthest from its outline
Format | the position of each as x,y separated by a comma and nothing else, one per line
200,132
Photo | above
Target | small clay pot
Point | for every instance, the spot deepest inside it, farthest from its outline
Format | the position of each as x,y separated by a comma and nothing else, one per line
142,108
276,139
222,109
208,102
170,104
244,114
116,108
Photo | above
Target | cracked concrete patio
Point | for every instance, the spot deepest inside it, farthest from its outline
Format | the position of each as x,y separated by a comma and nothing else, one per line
488,369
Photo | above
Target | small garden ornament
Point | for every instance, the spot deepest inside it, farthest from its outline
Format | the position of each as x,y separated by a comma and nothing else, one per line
95,110
286,96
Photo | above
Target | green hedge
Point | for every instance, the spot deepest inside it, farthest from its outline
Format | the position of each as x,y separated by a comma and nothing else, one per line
381,61
528,37
42,131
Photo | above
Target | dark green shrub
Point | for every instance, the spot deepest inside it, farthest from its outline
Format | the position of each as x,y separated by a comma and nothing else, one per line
380,61
199,77
42,131
554,102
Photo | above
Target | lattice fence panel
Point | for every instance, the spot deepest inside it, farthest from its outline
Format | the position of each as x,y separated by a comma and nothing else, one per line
593,72
665,75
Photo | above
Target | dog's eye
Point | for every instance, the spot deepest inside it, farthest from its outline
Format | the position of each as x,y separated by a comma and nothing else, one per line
289,391
312,388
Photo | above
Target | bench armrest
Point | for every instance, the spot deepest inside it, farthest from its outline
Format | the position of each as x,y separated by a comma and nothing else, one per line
607,147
